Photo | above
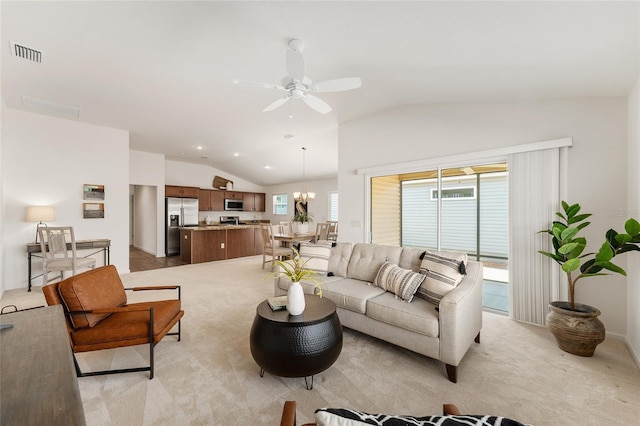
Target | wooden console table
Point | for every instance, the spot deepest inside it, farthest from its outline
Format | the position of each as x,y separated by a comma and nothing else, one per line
38,383
99,245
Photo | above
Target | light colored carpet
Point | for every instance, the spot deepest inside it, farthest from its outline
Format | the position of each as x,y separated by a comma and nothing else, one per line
210,377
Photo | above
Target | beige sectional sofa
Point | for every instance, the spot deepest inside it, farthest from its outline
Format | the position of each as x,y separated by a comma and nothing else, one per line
443,332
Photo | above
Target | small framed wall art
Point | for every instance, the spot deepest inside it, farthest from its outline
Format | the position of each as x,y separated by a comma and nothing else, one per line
93,192
93,210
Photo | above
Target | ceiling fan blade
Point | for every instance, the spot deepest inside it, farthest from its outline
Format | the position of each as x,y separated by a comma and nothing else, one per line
295,65
257,84
317,104
338,84
276,104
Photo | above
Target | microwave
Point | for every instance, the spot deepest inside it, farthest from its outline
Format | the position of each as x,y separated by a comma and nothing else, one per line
233,204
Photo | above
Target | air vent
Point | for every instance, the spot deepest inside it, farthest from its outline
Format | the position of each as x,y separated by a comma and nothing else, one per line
25,52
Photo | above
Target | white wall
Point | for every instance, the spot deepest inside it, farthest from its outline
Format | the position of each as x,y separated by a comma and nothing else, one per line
318,208
633,260
46,161
148,170
597,165
145,221
188,174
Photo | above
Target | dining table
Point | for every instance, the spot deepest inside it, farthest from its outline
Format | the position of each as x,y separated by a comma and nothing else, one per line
288,239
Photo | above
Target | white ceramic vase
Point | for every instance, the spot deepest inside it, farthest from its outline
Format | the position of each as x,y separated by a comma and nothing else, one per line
303,228
295,299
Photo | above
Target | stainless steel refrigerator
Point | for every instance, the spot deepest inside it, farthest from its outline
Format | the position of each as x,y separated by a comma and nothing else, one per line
179,212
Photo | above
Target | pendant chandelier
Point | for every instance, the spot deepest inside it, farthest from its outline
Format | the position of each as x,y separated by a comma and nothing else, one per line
303,196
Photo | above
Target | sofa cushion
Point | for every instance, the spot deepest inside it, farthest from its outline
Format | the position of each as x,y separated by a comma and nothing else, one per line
418,316
339,261
348,417
399,281
411,258
100,288
351,294
444,271
366,260
316,256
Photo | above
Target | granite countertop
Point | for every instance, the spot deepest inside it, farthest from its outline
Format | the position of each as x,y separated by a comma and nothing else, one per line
217,226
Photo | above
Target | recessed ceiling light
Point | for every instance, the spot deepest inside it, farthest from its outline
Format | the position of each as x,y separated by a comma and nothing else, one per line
289,136
235,154
199,147
267,167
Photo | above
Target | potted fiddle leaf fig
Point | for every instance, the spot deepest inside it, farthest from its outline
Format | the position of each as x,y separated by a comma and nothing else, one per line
576,326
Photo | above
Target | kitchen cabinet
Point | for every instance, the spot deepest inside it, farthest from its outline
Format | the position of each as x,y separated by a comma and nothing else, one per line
232,195
253,202
202,246
211,200
204,200
258,245
217,201
240,242
181,191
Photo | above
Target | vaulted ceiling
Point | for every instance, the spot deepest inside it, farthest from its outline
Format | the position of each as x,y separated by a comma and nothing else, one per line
163,70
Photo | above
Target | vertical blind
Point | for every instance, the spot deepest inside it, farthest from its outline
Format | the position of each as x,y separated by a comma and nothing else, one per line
534,194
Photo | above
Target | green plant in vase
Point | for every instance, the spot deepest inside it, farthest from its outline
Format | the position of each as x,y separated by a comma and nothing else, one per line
569,247
576,326
294,269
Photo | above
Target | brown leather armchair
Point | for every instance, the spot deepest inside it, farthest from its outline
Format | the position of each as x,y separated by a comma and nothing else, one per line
99,317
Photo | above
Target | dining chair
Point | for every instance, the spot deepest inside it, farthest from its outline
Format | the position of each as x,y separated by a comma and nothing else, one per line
271,247
332,235
55,252
322,232
286,228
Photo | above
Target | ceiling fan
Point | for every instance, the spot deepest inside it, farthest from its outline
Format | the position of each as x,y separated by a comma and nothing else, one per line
299,86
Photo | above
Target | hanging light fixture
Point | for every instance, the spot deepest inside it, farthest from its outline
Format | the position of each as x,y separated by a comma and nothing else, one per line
303,196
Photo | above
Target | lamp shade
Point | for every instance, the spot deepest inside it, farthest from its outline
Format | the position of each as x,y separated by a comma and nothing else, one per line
41,214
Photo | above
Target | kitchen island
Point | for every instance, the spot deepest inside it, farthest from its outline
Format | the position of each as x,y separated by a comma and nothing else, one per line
219,242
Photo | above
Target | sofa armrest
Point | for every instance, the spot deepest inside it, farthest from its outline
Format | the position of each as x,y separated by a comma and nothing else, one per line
461,316
307,286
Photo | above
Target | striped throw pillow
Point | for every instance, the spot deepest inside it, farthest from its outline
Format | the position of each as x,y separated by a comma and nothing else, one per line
399,281
443,272
316,256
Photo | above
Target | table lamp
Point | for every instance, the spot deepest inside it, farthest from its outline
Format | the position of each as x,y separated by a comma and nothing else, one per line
40,214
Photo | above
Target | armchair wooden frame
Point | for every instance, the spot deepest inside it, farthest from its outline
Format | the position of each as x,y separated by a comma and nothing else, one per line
153,338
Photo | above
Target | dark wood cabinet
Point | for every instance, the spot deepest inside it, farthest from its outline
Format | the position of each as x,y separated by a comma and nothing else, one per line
181,191
202,246
204,200
253,202
211,200
240,242
258,245
233,195
217,201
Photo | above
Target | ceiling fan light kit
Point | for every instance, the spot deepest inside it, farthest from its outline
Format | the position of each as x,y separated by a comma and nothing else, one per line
299,86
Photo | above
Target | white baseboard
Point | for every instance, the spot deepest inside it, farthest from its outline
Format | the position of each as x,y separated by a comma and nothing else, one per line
623,338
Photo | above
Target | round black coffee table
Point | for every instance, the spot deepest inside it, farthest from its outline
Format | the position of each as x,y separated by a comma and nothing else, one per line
296,345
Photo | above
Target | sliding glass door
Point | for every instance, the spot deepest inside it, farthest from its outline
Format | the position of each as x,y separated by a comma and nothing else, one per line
463,209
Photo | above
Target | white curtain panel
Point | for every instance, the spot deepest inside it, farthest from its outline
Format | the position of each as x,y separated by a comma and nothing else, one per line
534,193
